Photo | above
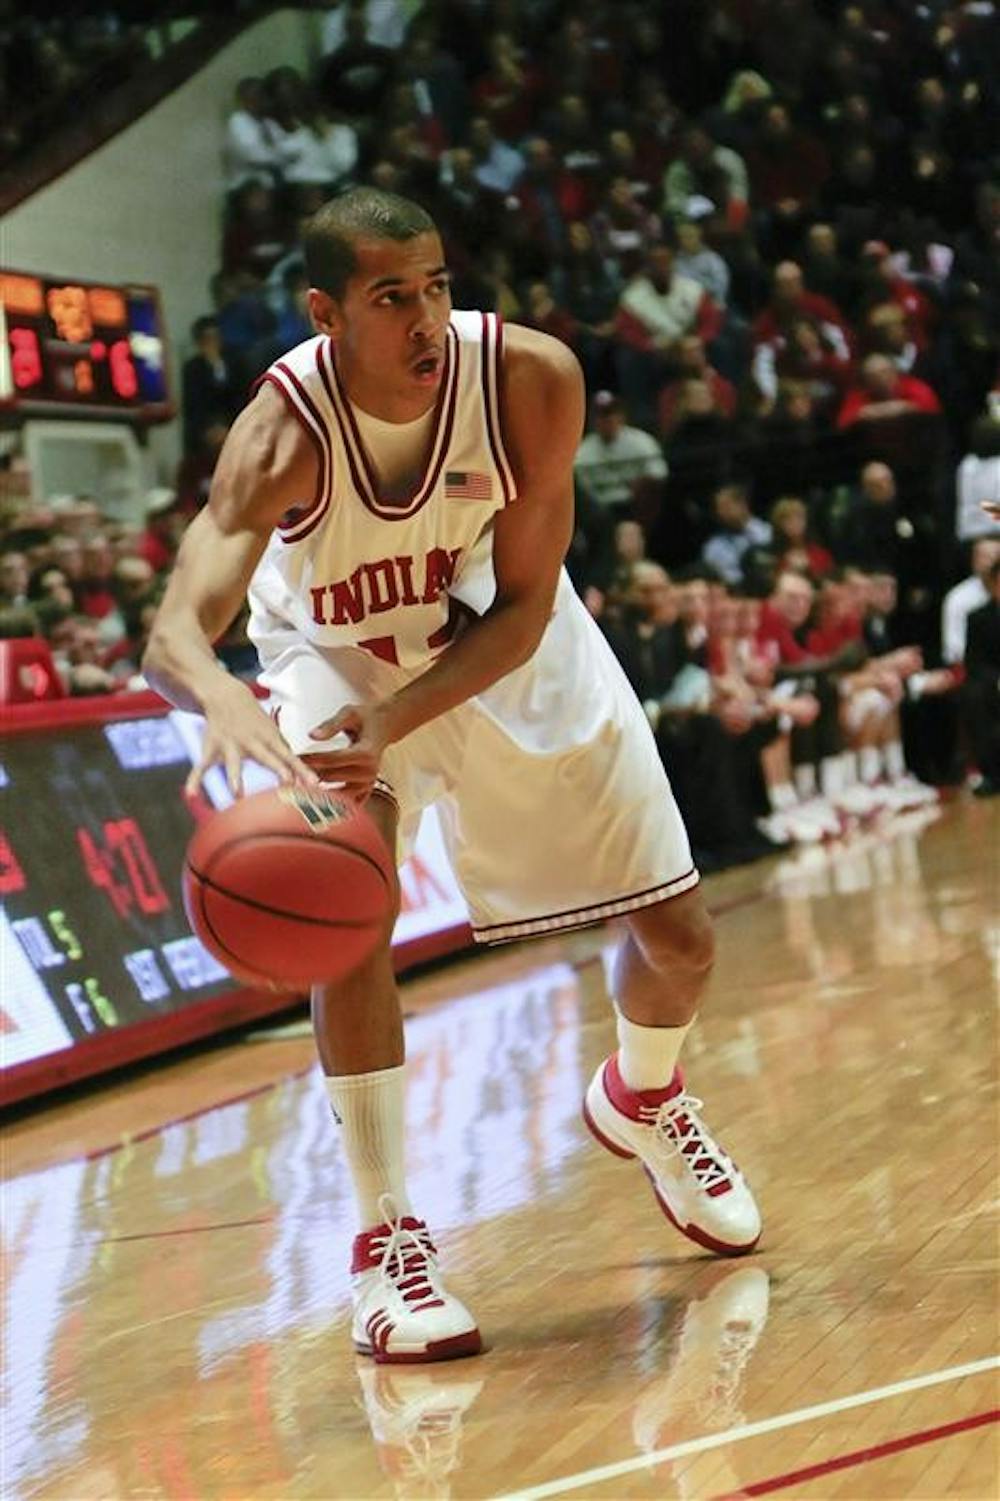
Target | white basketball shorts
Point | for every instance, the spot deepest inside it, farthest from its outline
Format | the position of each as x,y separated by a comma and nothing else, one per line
554,803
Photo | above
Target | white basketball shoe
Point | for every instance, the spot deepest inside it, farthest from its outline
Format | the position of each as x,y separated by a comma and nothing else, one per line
402,1310
697,1184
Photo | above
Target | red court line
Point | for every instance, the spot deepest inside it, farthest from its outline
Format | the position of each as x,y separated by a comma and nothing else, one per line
861,1456
260,1219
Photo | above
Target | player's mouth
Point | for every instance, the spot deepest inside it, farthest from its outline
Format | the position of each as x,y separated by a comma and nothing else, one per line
427,367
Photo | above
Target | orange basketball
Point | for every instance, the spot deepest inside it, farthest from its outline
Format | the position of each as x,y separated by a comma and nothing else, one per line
289,886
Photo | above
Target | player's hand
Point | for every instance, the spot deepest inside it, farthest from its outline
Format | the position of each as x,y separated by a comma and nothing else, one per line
355,766
239,730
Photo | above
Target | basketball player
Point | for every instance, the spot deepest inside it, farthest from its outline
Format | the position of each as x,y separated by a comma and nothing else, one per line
398,498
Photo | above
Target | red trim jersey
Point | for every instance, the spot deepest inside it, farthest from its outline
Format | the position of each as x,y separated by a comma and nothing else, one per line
349,567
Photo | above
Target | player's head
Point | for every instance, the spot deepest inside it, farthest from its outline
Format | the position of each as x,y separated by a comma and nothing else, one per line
334,232
379,287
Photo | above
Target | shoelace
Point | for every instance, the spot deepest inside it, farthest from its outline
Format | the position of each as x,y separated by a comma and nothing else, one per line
681,1134
408,1259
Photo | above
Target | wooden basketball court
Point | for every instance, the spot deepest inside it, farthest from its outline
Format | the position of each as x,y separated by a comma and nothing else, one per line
176,1245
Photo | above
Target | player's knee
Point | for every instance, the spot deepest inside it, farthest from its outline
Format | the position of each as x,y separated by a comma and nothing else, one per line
676,934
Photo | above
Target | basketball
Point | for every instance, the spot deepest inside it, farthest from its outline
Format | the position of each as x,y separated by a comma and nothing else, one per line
289,886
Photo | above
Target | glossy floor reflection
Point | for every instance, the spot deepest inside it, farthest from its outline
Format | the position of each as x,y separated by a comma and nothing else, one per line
176,1287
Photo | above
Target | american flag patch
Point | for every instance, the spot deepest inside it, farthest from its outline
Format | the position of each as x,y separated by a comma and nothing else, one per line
466,484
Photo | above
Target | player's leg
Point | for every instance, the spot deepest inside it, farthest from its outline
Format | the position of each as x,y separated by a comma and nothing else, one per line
637,1105
401,1310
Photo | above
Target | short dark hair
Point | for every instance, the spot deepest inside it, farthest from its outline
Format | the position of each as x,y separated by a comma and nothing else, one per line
359,214
202,325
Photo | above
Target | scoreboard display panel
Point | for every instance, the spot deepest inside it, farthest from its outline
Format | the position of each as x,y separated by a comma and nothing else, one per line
98,964
82,349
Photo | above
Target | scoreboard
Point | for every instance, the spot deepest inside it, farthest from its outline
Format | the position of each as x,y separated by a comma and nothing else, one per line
98,964
81,349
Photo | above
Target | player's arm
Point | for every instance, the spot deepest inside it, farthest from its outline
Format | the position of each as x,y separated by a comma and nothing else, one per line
267,466
543,421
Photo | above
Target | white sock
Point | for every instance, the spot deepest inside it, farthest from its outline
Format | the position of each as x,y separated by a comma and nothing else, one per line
805,780
870,762
647,1056
369,1110
782,796
831,776
851,771
895,762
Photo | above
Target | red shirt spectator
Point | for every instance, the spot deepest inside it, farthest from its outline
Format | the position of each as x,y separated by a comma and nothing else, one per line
889,286
790,303
885,392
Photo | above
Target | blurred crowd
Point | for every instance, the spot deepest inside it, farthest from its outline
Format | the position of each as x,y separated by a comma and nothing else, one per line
770,230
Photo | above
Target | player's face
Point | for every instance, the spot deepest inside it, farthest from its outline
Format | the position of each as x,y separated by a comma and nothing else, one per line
390,325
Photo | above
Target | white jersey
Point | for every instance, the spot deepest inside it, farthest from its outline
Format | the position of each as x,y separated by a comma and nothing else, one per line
350,568
553,803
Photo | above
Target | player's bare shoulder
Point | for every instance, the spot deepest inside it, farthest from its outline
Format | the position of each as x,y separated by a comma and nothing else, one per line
543,401
268,466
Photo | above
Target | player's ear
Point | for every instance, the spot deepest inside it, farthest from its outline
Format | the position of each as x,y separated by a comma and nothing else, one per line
325,313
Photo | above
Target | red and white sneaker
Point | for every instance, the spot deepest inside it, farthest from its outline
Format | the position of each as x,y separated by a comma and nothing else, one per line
402,1310
697,1184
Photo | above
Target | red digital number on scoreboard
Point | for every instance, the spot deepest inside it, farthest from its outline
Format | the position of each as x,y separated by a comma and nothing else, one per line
25,358
123,376
11,875
122,867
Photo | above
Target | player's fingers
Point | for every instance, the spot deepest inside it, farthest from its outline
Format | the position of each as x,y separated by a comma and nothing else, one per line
346,721
287,766
233,763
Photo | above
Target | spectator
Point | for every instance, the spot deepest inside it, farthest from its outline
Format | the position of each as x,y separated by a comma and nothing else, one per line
506,93
970,595
586,289
787,168
498,166
884,284
544,313
382,22
319,149
791,539
702,264
882,531
978,480
355,78
95,594
13,580
704,170
982,693
884,393
790,303
252,151
164,527
209,381
49,583
194,476
254,236
740,530
622,226
547,197
808,357
692,364
825,270
438,82
614,457
656,310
